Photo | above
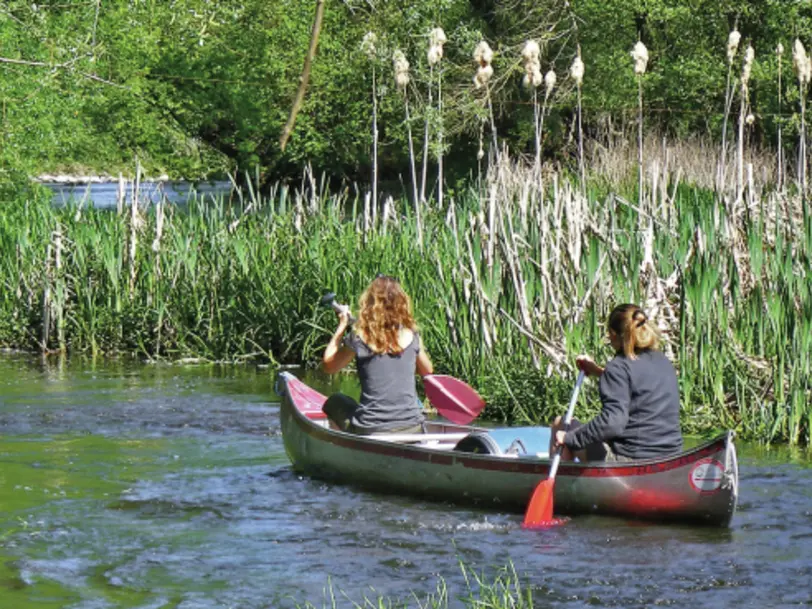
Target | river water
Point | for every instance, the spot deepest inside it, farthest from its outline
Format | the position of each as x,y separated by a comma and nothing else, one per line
153,487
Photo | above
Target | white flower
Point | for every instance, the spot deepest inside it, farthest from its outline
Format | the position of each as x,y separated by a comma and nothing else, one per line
640,56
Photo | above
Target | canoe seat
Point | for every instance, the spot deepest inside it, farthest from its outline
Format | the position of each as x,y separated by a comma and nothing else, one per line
508,441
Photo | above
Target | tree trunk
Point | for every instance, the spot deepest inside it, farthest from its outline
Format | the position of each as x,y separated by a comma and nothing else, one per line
305,77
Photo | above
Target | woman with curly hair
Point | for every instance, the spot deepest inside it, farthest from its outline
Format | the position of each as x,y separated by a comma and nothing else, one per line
386,346
639,393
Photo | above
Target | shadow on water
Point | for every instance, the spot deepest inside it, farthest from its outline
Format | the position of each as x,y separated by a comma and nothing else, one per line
124,485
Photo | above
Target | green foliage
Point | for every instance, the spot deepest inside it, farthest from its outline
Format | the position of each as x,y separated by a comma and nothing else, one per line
192,86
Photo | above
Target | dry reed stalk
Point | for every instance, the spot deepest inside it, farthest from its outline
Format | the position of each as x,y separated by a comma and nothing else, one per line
437,39
368,47
744,114
732,48
577,75
121,194
402,79
134,222
779,51
640,56
801,61
483,56
46,302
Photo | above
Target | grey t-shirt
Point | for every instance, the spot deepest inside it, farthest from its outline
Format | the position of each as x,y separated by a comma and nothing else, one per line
640,415
388,389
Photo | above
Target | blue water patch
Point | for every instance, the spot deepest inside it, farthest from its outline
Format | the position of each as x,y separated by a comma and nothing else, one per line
106,194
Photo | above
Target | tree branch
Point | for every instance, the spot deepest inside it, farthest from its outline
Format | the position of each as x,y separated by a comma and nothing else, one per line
305,77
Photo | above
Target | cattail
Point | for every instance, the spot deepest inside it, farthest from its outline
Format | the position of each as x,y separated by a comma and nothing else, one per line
549,82
640,56
733,45
401,65
779,50
577,70
750,119
749,56
801,62
368,45
532,65
483,55
437,39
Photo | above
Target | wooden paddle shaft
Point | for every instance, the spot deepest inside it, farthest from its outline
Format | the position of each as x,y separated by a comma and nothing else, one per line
567,421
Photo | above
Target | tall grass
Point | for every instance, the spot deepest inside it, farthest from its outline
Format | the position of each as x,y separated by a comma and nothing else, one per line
509,286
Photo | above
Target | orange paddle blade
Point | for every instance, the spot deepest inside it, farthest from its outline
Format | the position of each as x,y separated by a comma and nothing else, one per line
540,509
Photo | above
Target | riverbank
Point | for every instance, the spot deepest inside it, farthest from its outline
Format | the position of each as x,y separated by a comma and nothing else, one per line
509,284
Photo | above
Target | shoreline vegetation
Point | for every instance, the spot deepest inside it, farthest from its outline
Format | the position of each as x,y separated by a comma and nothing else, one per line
514,277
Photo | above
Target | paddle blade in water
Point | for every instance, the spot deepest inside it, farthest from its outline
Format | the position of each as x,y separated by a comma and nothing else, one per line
540,509
452,398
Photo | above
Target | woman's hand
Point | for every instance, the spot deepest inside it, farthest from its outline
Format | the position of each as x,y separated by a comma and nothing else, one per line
585,363
559,438
343,319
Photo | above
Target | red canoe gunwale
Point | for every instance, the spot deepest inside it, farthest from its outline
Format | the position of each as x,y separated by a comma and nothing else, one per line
652,489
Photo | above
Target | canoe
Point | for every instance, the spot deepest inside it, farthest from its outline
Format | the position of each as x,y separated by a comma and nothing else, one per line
500,468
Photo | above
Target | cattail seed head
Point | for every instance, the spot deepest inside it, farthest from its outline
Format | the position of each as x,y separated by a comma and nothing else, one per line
483,55
733,44
749,56
531,51
577,70
532,65
640,56
750,119
801,62
401,65
437,39
368,45
779,50
549,81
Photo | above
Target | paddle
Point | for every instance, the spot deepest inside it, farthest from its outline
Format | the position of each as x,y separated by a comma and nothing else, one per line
453,399
540,509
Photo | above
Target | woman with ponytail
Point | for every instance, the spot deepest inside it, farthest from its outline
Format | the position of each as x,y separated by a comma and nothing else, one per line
639,393
386,346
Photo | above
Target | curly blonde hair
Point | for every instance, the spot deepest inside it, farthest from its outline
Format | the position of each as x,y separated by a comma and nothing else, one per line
384,310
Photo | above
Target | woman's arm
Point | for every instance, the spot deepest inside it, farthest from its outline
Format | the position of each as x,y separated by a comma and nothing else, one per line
587,364
337,356
611,422
424,365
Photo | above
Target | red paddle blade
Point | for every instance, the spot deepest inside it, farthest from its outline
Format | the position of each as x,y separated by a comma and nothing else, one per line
452,398
540,509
